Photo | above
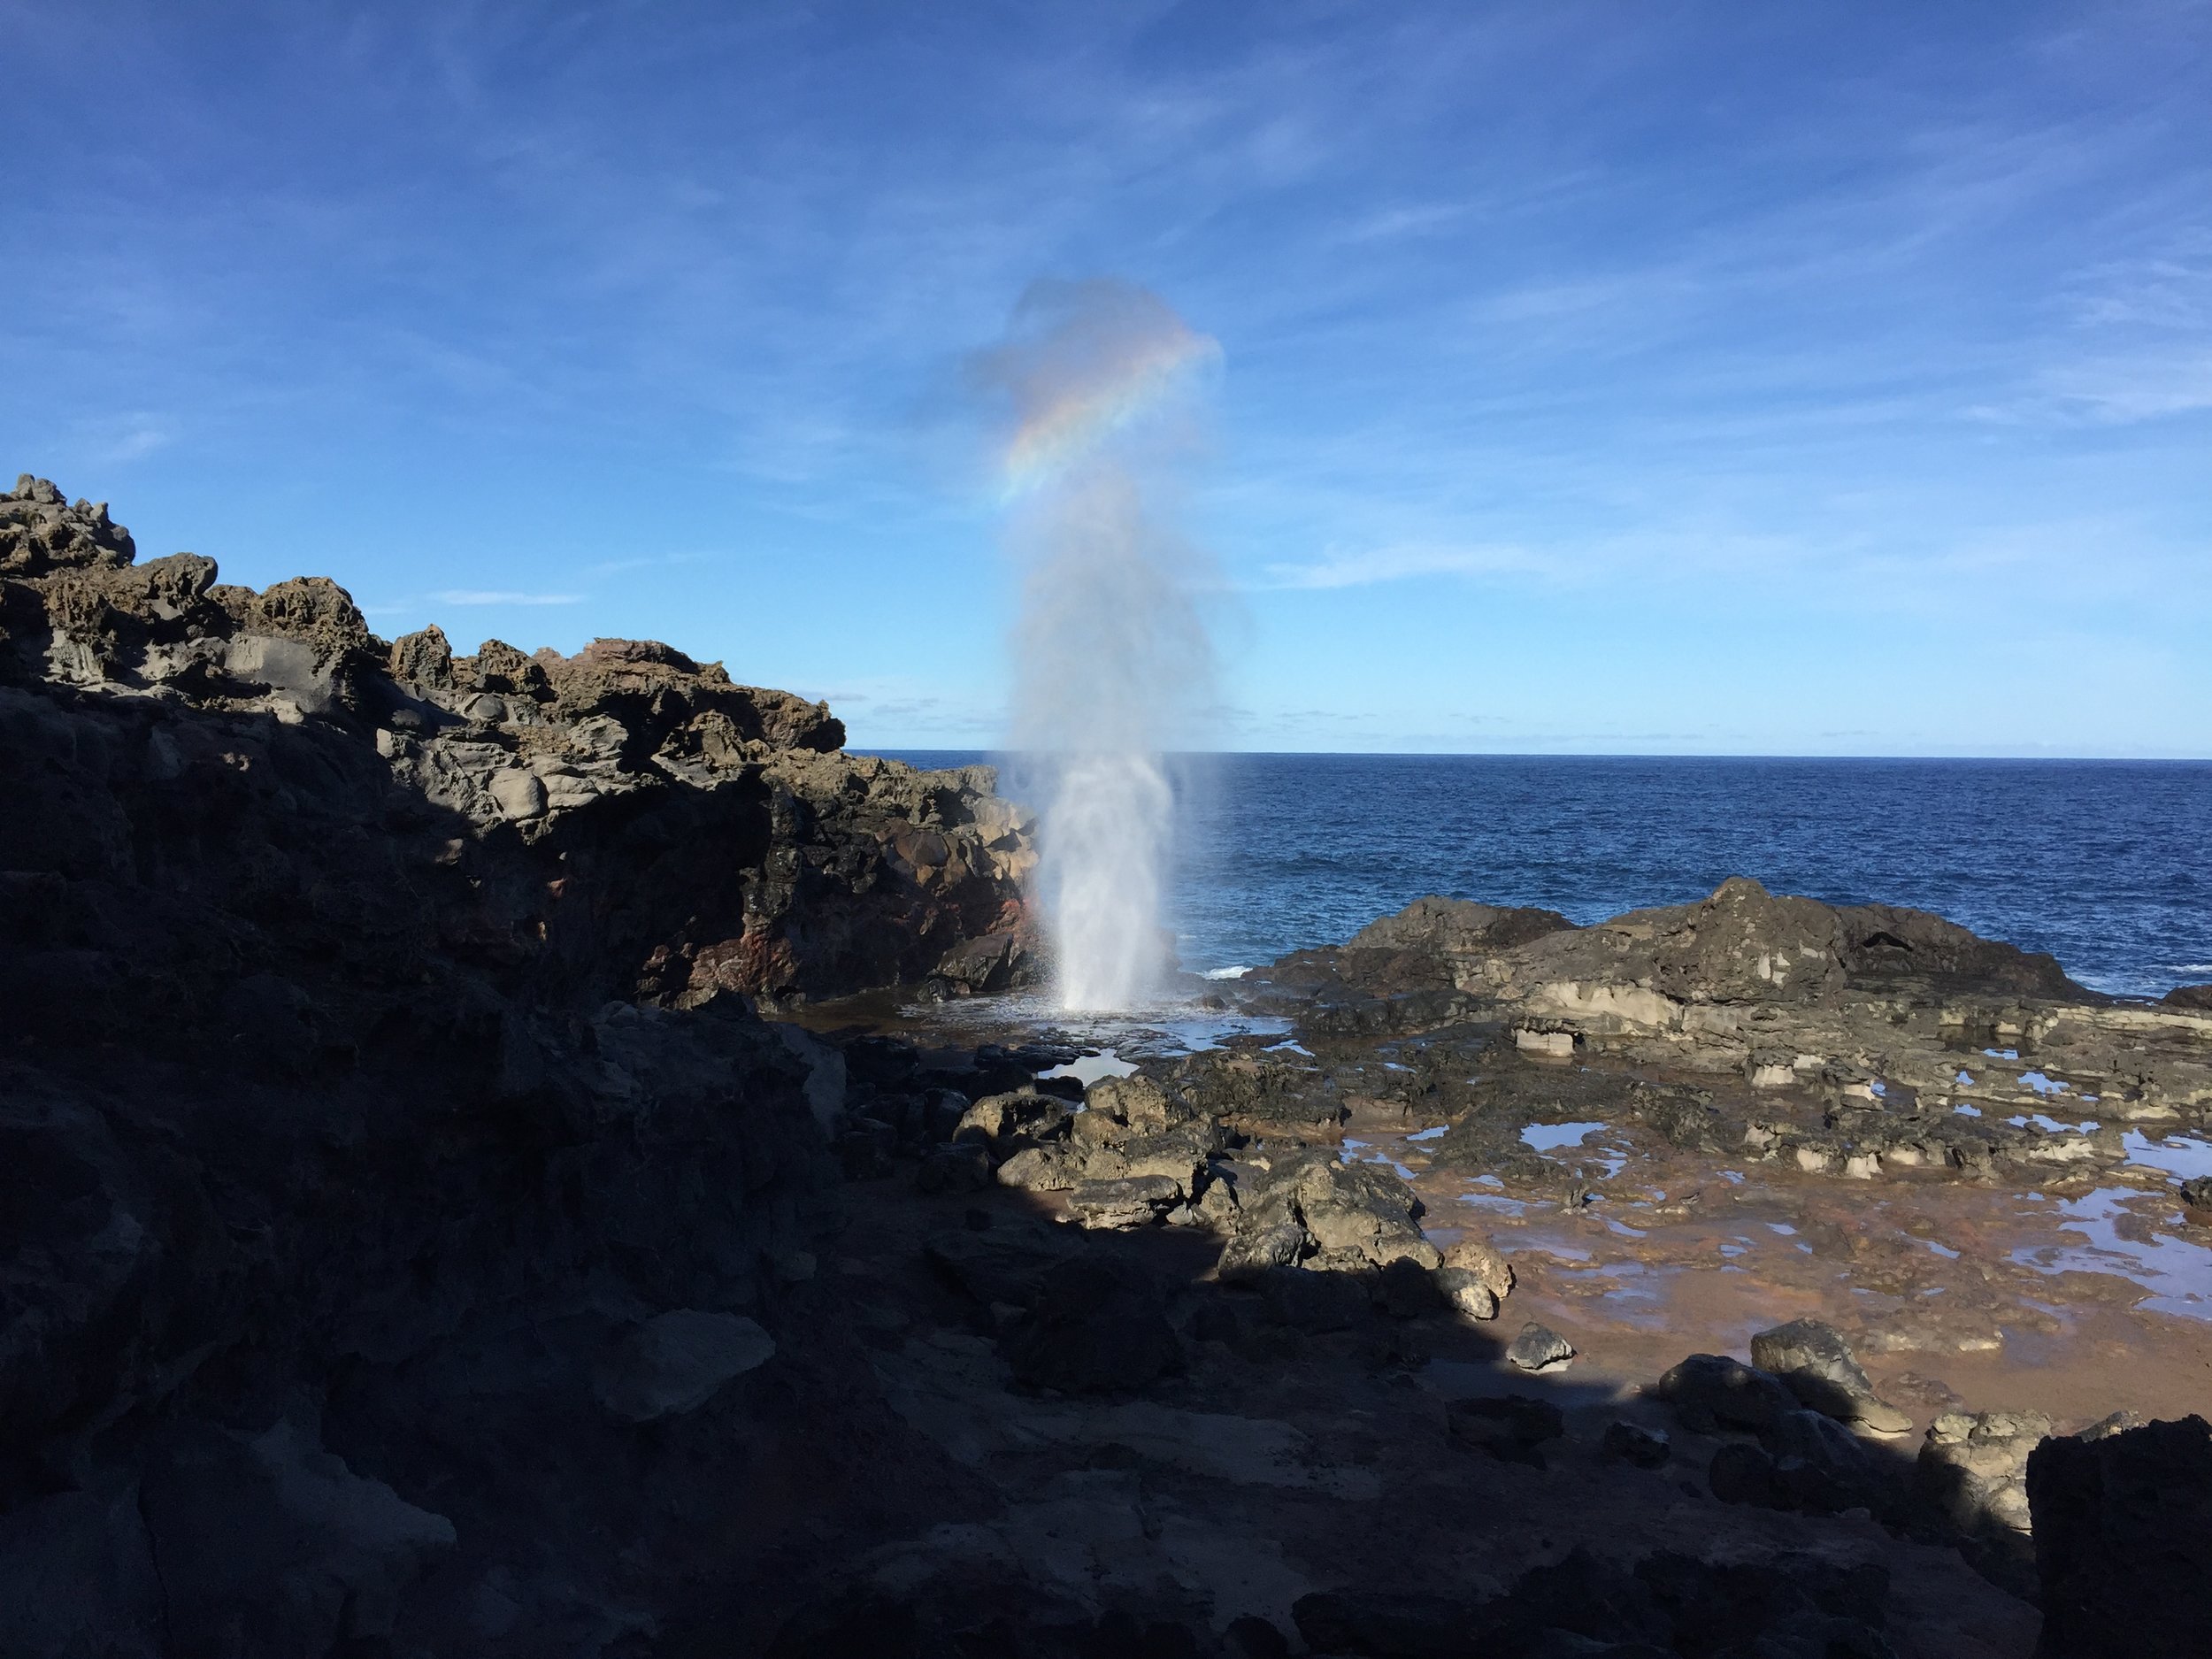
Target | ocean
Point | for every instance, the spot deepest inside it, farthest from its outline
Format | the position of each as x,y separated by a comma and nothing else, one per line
2106,864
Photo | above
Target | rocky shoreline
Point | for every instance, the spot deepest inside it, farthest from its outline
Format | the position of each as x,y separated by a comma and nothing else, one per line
461,1198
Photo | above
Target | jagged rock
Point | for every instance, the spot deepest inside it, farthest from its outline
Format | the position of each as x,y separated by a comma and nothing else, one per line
1357,1212
1481,1259
983,966
1307,1300
1095,1326
1816,1364
1262,1094
391,1058
1632,1443
675,1363
1510,1427
1135,1202
1437,941
1038,1170
1741,1473
1821,1467
1467,1292
1539,1348
1972,1478
1254,1248
2196,1192
1136,1103
1712,1391
424,659
963,1167
40,532
270,1545
2194,998
2123,1541
997,1117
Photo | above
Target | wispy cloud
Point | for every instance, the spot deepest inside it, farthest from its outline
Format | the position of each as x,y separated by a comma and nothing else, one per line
502,596
1368,566
115,439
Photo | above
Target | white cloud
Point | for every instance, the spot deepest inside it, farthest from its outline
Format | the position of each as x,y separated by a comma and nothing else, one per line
114,440
1368,566
493,596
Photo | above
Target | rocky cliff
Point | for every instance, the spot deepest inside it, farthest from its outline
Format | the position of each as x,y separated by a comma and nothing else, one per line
384,1110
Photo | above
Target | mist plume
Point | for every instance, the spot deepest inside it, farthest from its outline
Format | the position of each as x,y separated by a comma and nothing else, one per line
1112,659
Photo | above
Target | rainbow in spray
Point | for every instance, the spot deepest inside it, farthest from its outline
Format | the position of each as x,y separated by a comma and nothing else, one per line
1070,415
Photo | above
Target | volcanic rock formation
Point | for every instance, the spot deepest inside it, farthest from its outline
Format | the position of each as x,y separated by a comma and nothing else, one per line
355,1138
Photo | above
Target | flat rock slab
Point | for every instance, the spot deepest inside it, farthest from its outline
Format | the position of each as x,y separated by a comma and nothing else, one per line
1245,1451
676,1362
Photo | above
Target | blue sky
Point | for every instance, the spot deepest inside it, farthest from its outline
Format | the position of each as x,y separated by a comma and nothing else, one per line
1632,376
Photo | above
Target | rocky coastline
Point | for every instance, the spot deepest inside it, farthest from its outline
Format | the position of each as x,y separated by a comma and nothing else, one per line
481,1175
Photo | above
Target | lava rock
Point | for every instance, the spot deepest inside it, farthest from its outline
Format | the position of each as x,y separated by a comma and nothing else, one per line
2123,1541
1510,1427
1712,1391
963,1167
1481,1260
1135,1202
1742,1473
1306,1300
1632,1443
676,1361
1821,1467
1971,1481
1816,1364
1539,1348
1405,1290
1466,1292
1096,1327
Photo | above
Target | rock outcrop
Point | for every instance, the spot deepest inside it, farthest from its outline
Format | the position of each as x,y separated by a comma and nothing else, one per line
728,844
2123,1541
400,1195
1849,1040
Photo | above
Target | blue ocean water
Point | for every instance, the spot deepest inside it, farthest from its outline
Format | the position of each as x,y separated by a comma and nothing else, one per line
2106,864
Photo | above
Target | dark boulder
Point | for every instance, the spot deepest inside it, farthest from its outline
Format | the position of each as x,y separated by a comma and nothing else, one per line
1632,1443
1539,1348
1816,1364
2124,1542
1742,1473
1094,1327
1310,1301
1711,1391
1822,1468
1510,1427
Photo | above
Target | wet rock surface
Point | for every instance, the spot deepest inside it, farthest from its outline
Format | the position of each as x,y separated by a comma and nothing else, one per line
1848,1172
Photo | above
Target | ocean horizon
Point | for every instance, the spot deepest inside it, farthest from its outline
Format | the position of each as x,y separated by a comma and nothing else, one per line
2100,862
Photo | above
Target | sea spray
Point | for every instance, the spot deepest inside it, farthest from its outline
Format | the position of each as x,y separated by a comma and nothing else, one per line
1111,662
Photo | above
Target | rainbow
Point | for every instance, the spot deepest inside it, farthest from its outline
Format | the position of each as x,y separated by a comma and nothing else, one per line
1067,426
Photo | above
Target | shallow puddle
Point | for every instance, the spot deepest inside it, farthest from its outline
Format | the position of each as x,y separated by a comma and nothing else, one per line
2003,1298
2118,1225
1091,1068
1550,1137
2185,1156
